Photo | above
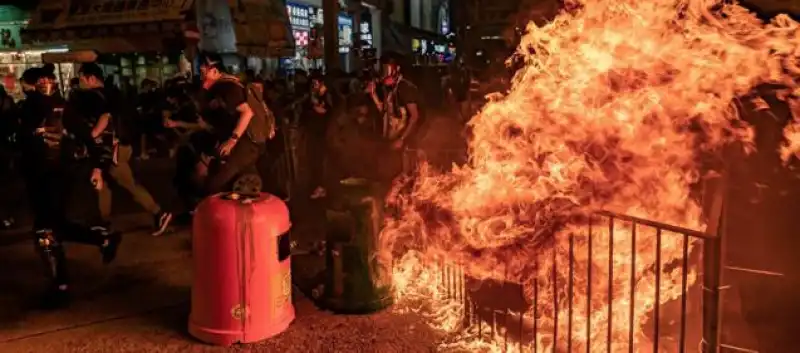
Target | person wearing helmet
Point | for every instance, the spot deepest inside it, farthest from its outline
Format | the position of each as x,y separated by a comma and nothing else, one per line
397,99
54,149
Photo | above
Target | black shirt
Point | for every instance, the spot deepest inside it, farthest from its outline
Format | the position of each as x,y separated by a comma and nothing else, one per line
81,115
396,100
317,122
41,112
219,106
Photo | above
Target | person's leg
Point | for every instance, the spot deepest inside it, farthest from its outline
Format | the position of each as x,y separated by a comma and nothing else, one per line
243,157
46,199
104,200
123,176
316,162
70,231
184,183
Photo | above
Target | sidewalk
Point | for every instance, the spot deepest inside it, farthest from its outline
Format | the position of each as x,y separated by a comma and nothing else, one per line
140,304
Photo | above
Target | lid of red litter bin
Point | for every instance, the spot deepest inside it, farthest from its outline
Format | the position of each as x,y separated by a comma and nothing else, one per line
266,208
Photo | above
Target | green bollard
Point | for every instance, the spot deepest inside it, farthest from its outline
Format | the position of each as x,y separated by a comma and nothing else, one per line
355,281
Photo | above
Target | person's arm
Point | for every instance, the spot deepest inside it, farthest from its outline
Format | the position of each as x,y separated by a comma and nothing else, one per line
374,95
236,96
410,99
101,125
413,118
245,115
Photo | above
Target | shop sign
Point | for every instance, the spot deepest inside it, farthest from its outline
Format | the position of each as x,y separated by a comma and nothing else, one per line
345,33
366,33
299,15
365,30
99,12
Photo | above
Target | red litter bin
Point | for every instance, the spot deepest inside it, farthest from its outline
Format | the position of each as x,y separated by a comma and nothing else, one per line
242,289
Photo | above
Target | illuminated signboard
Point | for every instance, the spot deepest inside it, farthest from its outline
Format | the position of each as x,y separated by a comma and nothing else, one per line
299,15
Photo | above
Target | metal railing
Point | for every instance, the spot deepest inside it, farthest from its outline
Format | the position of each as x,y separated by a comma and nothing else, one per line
507,326
521,322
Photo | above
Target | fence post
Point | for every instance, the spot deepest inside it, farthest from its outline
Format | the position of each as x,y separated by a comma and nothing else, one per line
713,260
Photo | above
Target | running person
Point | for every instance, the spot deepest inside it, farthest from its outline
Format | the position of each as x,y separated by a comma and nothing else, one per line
57,149
241,133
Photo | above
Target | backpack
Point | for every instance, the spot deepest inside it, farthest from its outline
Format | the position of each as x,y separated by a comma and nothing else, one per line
263,122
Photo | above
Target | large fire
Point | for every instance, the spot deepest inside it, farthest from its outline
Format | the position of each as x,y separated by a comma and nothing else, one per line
615,103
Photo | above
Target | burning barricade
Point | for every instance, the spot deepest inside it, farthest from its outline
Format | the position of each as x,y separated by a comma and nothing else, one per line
579,180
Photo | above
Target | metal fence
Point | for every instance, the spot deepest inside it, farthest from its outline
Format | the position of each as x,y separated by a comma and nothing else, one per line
515,318
522,331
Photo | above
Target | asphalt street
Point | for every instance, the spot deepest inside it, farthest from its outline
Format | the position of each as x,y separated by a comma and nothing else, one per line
140,303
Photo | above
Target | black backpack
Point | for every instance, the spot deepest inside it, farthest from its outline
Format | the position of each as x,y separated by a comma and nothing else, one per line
262,126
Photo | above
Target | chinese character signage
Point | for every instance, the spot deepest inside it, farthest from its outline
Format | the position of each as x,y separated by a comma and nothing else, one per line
97,12
299,15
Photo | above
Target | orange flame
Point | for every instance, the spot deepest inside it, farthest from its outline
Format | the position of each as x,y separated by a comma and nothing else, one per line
616,101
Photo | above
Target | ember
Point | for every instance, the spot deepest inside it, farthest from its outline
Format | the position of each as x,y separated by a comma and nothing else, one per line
601,118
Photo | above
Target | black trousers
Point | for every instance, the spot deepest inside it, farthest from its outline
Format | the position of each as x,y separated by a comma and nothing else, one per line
243,159
49,185
315,157
185,182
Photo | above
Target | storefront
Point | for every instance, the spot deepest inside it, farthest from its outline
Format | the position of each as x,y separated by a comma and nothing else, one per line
138,40
16,58
434,47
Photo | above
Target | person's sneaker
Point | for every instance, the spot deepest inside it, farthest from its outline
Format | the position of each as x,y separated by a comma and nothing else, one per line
161,222
110,246
57,297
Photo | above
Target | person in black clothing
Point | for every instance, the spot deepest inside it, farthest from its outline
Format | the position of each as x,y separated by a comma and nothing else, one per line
397,100
110,98
240,133
9,121
315,119
194,141
149,103
57,147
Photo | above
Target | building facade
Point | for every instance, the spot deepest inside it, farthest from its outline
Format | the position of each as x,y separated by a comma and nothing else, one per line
488,30
420,29
136,40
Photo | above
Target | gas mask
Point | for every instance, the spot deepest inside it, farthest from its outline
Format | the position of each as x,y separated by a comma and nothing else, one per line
390,73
